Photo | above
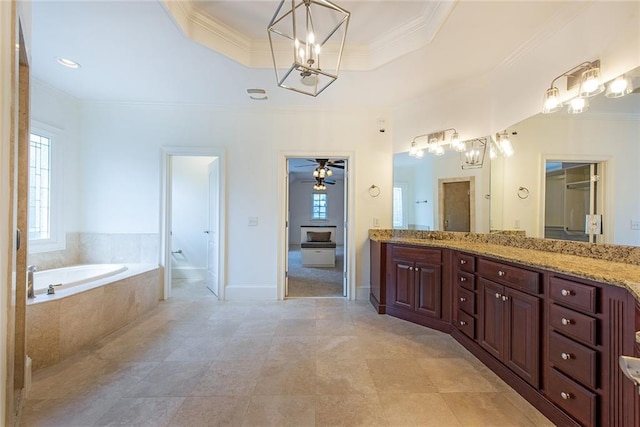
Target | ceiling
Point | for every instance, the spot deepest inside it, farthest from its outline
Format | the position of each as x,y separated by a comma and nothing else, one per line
210,52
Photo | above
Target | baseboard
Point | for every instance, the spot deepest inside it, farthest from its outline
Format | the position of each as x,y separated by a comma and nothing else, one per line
363,293
249,293
191,273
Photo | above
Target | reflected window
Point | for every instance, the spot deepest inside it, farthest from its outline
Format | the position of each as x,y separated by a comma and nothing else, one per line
399,220
39,187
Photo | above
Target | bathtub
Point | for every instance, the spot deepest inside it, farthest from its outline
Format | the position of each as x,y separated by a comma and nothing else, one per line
92,302
68,277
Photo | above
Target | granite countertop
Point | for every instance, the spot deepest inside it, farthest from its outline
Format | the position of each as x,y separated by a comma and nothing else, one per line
591,264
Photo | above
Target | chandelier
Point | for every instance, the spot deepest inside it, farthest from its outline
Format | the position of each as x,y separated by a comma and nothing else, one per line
302,33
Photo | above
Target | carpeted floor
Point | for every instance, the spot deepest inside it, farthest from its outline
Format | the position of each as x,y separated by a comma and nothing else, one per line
314,281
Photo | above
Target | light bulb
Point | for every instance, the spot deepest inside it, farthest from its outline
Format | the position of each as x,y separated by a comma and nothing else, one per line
329,172
578,105
621,86
551,100
315,173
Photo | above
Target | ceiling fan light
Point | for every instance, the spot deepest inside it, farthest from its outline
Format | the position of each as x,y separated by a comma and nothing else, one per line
551,102
329,172
619,87
590,84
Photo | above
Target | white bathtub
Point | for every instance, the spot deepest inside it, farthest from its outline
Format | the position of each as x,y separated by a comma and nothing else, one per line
68,277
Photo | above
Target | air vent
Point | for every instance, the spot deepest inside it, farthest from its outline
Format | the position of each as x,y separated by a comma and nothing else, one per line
258,94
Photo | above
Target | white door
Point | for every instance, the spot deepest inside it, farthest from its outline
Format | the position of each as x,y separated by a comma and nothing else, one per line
212,234
345,250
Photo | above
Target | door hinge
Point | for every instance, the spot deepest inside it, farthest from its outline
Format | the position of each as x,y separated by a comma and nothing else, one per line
595,178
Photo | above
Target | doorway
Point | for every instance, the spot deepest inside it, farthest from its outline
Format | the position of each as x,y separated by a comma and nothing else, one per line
316,236
574,201
192,232
457,204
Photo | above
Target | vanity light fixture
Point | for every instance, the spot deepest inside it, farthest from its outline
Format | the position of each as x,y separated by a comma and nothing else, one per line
504,144
620,86
416,151
300,32
587,75
578,105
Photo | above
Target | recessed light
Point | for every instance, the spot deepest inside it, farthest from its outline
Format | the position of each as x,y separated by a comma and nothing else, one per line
68,63
258,94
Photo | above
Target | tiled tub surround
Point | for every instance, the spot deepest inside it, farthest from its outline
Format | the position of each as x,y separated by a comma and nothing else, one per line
59,325
97,248
612,264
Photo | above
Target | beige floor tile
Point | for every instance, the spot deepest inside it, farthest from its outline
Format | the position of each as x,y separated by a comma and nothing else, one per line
343,376
211,412
287,377
399,376
145,411
485,409
285,411
289,327
339,347
528,410
229,378
452,375
293,348
257,327
65,412
246,347
434,346
170,379
384,347
334,327
198,349
350,410
418,409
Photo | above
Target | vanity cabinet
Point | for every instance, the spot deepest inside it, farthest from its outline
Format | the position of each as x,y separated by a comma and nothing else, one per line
464,283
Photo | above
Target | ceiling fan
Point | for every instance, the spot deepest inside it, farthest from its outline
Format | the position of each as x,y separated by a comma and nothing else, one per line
324,163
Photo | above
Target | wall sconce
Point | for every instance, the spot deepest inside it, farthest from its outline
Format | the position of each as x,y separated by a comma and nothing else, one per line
588,74
436,143
502,146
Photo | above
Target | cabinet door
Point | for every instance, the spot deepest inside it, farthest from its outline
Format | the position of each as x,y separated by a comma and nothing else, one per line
522,325
402,288
491,328
428,290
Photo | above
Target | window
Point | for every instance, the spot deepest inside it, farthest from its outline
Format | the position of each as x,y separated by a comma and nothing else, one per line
398,211
39,187
45,227
319,206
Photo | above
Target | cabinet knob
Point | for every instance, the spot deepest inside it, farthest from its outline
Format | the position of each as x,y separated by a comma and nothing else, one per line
498,295
463,262
505,298
566,293
565,395
463,279
500,273
462,299
411,268
462,323
566,356
566,321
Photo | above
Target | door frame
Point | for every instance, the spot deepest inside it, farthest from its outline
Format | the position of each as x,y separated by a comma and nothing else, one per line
606,185
472,200
165,212
349,233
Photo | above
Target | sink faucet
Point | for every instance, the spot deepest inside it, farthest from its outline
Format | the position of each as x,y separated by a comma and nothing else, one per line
30,270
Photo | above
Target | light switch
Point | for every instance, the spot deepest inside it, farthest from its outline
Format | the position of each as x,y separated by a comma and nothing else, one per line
253,221
635,225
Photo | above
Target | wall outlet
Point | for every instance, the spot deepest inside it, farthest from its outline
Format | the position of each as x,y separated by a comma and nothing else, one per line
376,222
635,225
253,221
516,225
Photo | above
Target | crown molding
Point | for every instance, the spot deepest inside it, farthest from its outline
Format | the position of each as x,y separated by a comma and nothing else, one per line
217,36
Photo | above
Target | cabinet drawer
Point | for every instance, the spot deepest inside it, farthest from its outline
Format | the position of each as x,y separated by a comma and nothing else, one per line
515,277
573,359
466,300
466,280
466,262
573,294
574,324
416,254
467,324
576,400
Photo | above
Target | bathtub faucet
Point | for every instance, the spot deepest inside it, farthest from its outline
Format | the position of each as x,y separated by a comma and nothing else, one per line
30,270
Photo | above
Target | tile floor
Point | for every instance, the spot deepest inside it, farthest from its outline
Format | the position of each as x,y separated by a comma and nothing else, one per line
326,362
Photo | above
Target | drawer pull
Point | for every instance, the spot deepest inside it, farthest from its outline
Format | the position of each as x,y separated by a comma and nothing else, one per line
505,298
498,295
566,321
410,268
462,299
462,262
462,323
463,279
565,395
501,273
566,356
566,293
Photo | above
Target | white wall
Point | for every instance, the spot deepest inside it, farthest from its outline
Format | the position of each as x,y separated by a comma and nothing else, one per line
119,174
584,137
189,215
300,208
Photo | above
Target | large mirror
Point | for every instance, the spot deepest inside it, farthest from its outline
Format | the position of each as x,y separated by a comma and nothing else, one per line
511,193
